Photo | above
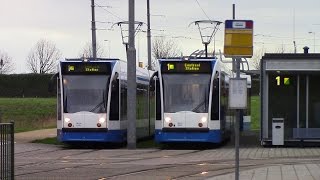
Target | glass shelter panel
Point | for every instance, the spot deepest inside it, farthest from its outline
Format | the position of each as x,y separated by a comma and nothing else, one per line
302,101
314,102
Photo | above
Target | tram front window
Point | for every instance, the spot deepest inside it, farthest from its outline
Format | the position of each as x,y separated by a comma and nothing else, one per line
186,92
85,93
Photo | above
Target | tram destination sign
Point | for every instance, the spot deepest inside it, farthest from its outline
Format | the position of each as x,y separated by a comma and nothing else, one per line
186,67
86,68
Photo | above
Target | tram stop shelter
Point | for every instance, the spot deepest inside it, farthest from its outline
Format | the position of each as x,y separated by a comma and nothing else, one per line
290,99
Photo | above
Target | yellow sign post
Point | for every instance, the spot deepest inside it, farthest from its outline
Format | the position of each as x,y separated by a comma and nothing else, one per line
238,39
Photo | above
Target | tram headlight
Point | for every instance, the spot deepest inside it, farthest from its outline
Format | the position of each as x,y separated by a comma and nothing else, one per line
204,119
102,120
67,120
167,119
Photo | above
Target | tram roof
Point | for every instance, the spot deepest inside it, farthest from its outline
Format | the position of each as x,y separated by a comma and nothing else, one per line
89,60
187,58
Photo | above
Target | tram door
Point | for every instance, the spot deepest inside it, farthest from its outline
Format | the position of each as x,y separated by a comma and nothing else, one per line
282,101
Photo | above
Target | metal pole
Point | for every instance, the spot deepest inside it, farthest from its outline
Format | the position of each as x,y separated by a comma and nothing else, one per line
214,45
233,11
93,30
206,48
131,76
237,124
149,34
237,127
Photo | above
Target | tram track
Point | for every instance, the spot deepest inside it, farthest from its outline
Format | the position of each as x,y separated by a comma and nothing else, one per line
224,169
49,161
216,167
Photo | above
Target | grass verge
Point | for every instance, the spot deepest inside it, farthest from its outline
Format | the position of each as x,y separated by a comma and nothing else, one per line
51,140
29,113
255,113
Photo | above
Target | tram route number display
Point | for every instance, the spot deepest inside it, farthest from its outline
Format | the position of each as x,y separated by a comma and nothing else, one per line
186,67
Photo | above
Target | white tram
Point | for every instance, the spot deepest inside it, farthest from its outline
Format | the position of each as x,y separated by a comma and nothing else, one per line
191,103
92,101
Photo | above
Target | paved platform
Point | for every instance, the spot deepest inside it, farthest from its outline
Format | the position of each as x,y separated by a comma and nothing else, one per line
284,172
40,161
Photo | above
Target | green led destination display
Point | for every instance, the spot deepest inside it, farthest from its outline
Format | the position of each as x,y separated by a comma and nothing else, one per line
186,67
86,68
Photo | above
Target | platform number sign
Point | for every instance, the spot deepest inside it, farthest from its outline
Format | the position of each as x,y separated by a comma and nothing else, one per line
286,81
170,66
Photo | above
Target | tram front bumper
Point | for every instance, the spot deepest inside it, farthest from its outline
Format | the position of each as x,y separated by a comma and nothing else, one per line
212,136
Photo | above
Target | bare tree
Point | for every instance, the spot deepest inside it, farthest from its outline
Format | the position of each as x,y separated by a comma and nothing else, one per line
162,47
42,57
255,60
6,65
87,51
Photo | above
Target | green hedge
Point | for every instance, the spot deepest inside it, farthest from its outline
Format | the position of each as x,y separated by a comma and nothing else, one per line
25,85
36,85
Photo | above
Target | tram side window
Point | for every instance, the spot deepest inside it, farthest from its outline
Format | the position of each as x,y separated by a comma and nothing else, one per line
158,100
59,100
114,103
223,99
142,100
123,101
152,102
215,100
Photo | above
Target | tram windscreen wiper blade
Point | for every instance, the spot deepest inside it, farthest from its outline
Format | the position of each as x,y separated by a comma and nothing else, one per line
101,103
197,107
98,105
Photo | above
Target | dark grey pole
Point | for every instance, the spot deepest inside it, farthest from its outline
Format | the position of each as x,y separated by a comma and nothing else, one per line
149,34
237,127
149,57
206,49
131,76
233,11
237,124
93,30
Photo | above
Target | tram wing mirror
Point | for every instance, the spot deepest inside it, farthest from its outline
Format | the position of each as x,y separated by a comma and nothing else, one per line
114,82
153,79
52,82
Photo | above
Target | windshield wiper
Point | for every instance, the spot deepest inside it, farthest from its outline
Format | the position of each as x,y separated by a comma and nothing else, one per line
197,107
96,107
101,103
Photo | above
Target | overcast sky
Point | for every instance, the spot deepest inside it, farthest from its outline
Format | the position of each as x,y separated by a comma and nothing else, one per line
67,23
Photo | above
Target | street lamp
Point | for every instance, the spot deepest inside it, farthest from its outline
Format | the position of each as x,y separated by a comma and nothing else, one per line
109,47
314,40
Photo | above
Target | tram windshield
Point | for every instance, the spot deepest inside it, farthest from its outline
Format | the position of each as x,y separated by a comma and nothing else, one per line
186,92
85,93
